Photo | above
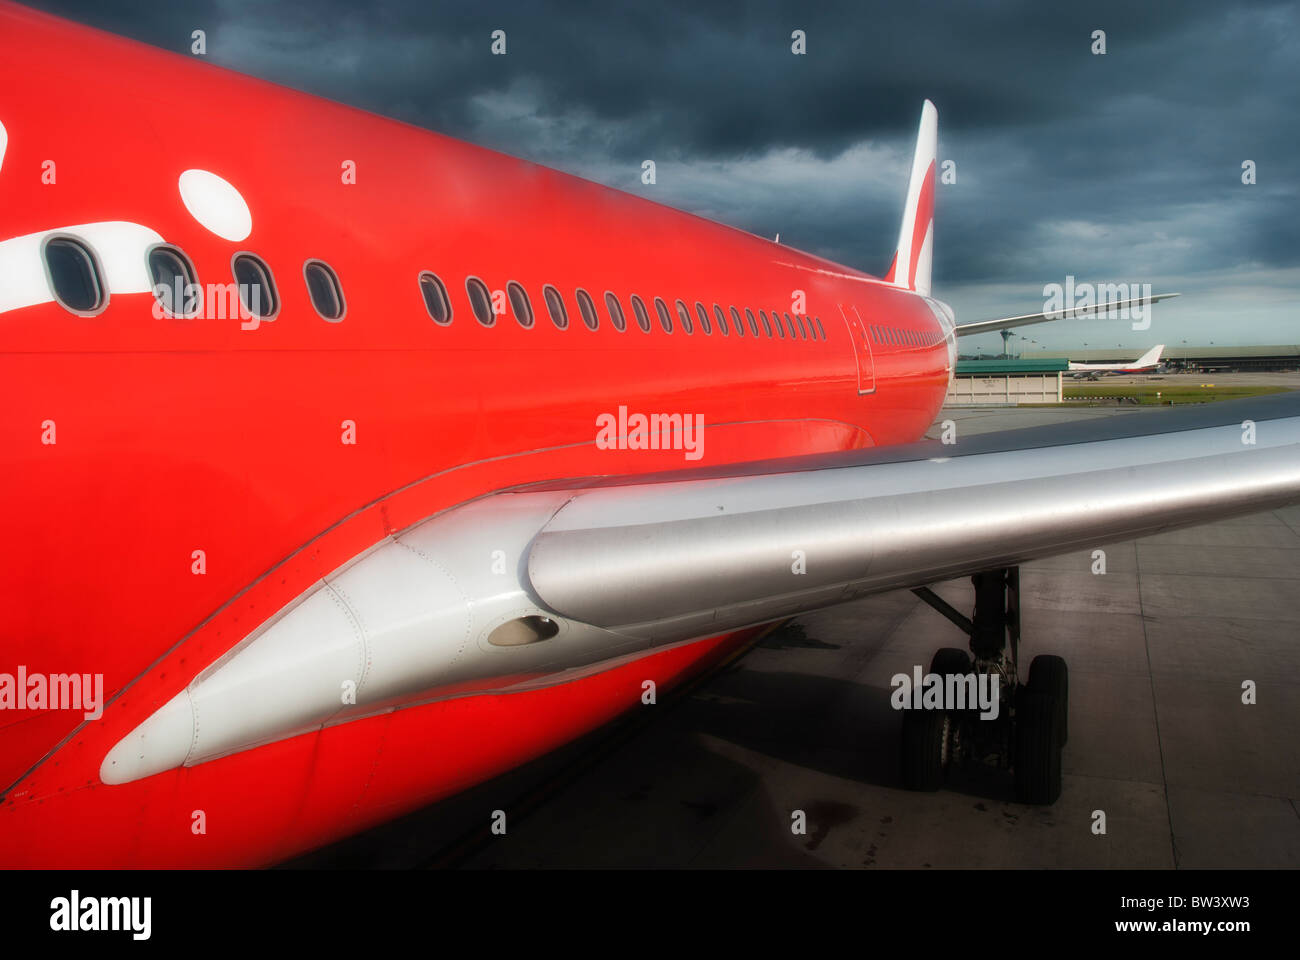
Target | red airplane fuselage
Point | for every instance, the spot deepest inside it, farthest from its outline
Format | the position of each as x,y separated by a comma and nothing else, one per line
133,441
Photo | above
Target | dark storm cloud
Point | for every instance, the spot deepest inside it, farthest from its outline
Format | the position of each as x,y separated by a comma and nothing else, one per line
1118,167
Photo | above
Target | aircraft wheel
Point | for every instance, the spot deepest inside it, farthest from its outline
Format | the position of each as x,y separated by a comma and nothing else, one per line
950,661
925,748
1038,748
1049,677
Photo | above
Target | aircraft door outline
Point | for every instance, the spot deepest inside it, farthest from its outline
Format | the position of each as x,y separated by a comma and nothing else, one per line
861,349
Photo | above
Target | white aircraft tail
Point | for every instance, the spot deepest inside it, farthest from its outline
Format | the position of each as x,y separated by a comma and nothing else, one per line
912,258
1151,357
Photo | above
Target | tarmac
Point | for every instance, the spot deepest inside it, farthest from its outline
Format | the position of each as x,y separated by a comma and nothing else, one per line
1162,747
1220,378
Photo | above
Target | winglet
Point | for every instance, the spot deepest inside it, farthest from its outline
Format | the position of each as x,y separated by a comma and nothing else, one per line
912,258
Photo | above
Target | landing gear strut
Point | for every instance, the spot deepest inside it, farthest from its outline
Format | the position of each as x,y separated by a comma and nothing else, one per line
1031,724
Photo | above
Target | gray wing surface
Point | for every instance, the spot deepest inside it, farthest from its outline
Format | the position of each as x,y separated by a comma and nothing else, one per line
1102,310
707,551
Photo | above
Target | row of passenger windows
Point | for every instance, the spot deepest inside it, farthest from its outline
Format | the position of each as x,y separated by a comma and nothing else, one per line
779,325
76,281
908,338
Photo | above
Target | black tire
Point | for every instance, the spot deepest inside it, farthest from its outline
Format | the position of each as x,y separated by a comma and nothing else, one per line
925,733
950,660
1038,749
1049,677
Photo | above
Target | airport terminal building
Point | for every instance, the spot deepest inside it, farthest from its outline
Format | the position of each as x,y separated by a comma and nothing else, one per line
1040,377
1195,359
981,382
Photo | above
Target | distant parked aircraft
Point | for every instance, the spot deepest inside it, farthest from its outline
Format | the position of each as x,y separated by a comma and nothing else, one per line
1148,361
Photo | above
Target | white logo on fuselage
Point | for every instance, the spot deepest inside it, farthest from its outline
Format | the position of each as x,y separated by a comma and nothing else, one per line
655,431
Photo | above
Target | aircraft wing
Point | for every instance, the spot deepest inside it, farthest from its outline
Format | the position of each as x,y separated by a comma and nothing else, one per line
691,556
610,568
1096,310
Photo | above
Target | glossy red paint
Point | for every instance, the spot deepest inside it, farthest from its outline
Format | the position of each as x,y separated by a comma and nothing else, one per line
178,435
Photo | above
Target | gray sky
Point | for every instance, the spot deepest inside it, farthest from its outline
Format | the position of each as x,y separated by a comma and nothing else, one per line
1119,168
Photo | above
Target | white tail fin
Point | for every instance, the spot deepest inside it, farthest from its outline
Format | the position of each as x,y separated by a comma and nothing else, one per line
911,266
1151,357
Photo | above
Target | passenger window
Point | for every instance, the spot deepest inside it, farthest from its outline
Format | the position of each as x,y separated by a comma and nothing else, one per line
615,312
753,324
480,301
521,304
776,322
642,315
820,329
74,275
803,331
767,326
684,317
703,314
174,282
555,307
324,289
790,323
664,316
435,298
587,307
256,286
722,320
